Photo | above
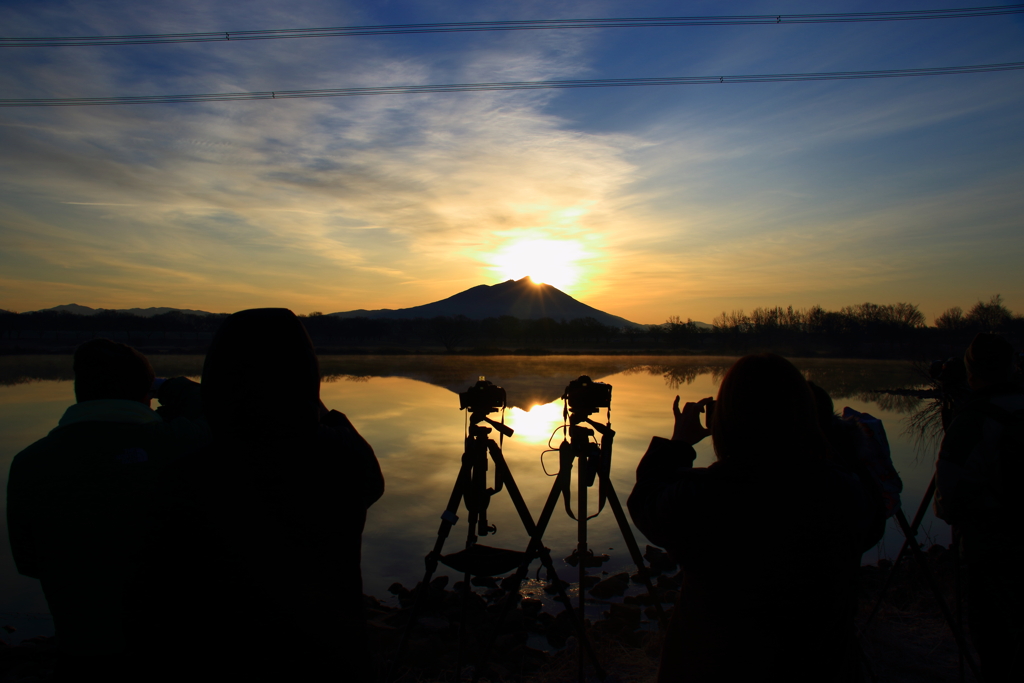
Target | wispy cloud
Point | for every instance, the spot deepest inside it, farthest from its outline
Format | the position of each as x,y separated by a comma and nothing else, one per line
684,200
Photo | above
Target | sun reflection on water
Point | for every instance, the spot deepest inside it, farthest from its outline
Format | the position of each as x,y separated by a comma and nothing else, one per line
536,423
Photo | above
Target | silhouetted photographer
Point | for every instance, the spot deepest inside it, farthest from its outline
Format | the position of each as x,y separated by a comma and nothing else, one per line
79,500
978,474
254,573
769,537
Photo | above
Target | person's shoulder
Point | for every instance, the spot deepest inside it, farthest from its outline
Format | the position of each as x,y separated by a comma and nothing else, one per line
34,452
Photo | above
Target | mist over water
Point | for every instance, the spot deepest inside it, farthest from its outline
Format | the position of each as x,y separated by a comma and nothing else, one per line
407,408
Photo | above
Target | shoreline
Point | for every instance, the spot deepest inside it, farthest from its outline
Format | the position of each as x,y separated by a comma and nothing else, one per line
908,641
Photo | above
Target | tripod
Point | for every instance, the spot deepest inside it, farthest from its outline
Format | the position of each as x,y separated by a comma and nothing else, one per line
910,543
477,560
951,400
583,398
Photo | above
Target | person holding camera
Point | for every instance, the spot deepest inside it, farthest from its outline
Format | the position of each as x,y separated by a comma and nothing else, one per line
263,528
79,499
769,537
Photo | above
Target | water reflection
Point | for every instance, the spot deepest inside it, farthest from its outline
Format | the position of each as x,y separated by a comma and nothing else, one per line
407,408
535,424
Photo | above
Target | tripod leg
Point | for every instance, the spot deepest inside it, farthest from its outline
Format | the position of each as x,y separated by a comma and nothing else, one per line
922,562
918,518
448,520
634,549
581,547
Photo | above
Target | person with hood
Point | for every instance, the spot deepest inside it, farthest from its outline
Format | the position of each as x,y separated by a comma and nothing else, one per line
769,537
78,500
256,569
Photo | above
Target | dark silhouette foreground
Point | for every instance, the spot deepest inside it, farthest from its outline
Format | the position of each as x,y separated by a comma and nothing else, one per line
978,474
769,600
78,500
254,571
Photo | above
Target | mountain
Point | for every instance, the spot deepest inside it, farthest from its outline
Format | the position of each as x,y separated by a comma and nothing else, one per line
142,312
522,299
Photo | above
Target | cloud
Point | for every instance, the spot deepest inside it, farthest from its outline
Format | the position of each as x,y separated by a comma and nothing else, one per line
685,200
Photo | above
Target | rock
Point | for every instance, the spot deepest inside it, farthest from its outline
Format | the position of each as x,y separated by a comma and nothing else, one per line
613,585
638,576
439,583
644,598
431,625
591,580
484,581
9,628
531,607
591,560
509,641
627,615
659,559
666,582
555,586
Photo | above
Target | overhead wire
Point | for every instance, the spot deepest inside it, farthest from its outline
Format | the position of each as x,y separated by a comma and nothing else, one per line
513,85
524,25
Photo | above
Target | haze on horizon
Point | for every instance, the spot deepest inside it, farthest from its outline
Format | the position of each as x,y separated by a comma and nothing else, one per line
643,202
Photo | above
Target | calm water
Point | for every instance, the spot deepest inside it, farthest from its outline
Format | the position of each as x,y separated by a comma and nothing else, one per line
407,408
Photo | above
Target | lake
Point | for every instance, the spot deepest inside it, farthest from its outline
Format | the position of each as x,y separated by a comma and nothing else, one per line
408,409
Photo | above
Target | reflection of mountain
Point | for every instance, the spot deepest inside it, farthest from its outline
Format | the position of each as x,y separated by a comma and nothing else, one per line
527,380
517,298
531,380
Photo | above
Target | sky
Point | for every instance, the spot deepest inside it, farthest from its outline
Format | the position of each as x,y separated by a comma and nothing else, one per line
645,202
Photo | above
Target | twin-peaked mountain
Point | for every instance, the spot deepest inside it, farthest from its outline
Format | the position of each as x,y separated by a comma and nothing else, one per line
522,299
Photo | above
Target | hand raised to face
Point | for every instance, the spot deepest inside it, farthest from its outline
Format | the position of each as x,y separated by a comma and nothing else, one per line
688,427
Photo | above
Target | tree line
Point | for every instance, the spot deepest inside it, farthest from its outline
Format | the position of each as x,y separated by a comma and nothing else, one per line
863,330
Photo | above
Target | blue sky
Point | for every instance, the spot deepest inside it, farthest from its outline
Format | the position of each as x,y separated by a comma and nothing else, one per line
645,202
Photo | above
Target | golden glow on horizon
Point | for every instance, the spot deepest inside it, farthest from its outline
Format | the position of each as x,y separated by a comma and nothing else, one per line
535,424
554,262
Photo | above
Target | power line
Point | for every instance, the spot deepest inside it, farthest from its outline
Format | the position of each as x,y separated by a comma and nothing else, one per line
514,85
526,25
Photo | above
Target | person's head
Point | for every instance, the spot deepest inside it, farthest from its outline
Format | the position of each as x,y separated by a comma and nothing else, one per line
765,410
823,406
989,360
106,369
261,377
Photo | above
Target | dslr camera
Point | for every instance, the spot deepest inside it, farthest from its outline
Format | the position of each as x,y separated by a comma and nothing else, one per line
587,396
482,397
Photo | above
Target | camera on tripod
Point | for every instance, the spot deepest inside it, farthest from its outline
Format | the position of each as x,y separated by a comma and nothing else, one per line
586,396
482,397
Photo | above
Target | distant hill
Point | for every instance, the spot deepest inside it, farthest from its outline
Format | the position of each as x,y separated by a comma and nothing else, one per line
141,312
522,299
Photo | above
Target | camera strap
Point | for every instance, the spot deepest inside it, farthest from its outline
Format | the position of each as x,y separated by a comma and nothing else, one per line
598,462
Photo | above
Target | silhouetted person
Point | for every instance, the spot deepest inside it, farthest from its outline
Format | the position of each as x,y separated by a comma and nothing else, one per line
78,499
846,442
979,473
769,537
255,573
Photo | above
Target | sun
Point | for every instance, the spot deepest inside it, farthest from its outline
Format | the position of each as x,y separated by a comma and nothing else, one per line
554,262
